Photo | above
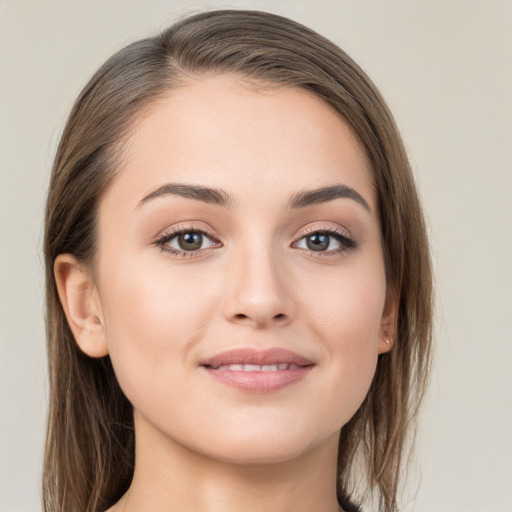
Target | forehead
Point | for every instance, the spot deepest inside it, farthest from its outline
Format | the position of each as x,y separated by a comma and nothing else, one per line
223,132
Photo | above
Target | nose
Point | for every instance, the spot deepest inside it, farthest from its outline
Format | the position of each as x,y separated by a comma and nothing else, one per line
258,291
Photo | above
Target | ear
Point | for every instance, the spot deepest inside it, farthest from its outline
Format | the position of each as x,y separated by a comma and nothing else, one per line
81,303
387,333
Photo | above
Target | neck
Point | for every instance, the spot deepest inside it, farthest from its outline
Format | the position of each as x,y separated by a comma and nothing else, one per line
169,476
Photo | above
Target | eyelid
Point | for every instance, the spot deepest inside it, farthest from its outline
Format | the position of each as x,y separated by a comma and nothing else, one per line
340,234
167,235
327,228
336,231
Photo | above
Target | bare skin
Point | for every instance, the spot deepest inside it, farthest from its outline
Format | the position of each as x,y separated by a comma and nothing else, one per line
211,486
180,278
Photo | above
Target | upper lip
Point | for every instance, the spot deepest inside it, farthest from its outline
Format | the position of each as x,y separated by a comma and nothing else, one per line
260,357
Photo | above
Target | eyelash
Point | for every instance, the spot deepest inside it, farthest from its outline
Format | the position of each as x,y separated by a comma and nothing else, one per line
162,242
347,243
340,236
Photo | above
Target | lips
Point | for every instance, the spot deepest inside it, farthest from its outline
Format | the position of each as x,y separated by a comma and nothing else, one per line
256,367
247,356
258,371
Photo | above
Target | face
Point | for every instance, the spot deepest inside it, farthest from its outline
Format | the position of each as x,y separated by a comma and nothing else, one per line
240,272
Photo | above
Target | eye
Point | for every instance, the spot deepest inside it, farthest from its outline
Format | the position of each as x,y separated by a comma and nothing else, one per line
329,240
185,241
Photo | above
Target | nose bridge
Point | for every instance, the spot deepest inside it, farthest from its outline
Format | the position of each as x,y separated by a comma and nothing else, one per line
259,293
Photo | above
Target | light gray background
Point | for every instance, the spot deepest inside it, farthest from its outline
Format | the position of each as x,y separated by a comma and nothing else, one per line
445,69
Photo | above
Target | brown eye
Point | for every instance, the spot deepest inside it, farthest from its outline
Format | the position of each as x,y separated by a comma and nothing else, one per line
186,241
326,241
190,241
318,241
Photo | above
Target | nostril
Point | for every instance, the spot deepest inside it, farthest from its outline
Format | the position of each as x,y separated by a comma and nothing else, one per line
244,317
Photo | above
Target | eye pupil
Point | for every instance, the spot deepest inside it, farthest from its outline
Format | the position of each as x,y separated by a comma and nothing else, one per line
318,242
190,241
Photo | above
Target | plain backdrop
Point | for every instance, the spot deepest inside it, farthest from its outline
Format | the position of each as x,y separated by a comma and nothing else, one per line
444,67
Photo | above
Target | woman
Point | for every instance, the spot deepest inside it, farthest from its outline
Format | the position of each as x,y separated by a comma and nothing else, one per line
238,279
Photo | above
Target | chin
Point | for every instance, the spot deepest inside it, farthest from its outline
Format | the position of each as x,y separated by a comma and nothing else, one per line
259,453
266,444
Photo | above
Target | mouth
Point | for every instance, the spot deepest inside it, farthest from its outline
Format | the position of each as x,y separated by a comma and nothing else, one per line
255,367
258,371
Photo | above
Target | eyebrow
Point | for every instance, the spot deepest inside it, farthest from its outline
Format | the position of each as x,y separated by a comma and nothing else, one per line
221,198
205,194
325,194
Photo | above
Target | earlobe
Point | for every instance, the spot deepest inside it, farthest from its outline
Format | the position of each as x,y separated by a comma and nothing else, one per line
80,302
385,345
387,334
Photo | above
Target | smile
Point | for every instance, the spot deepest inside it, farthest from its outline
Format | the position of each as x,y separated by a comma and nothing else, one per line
257,367
258,371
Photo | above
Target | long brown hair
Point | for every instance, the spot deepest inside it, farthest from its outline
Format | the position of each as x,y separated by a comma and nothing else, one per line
89,458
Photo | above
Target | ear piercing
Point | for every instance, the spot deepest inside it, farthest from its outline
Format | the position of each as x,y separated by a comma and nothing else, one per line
386,341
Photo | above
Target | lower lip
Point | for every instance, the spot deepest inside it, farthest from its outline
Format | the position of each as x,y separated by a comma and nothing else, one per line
259,382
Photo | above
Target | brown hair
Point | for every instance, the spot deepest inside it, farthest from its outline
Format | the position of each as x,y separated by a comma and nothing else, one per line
89,454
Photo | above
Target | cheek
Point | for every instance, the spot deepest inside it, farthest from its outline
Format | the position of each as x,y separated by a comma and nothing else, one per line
152,319
347,318
348,308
